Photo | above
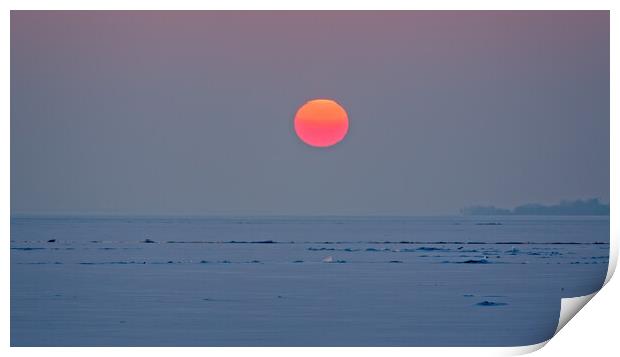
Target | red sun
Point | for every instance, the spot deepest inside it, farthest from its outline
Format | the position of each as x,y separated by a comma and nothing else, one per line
321,123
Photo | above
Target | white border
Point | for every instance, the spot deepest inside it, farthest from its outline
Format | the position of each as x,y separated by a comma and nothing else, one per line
568,347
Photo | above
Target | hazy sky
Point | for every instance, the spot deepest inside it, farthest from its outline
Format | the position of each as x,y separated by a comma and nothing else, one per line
192,112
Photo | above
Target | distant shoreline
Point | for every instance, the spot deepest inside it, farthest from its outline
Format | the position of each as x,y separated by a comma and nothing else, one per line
589,207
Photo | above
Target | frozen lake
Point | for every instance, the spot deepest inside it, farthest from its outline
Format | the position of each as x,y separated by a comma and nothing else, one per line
290,281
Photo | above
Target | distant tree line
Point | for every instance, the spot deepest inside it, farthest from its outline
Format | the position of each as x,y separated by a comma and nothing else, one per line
589,207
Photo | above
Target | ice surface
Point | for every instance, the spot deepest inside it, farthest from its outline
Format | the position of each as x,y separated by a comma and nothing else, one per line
263,281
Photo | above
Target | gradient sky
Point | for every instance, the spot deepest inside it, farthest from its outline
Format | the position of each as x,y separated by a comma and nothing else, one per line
192,112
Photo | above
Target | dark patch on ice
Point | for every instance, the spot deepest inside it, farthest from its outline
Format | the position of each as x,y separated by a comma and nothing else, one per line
396,261
475,261
429,249
219,300
27,248
52,241
298,261
488,224
41,263
204,262
491,303
256,262
148,241
111,263
333,249
468,295
230,242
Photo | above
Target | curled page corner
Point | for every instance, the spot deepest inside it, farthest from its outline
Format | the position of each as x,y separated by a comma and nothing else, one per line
570,307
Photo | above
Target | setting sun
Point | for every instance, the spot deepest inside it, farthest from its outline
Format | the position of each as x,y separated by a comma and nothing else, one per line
321,123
